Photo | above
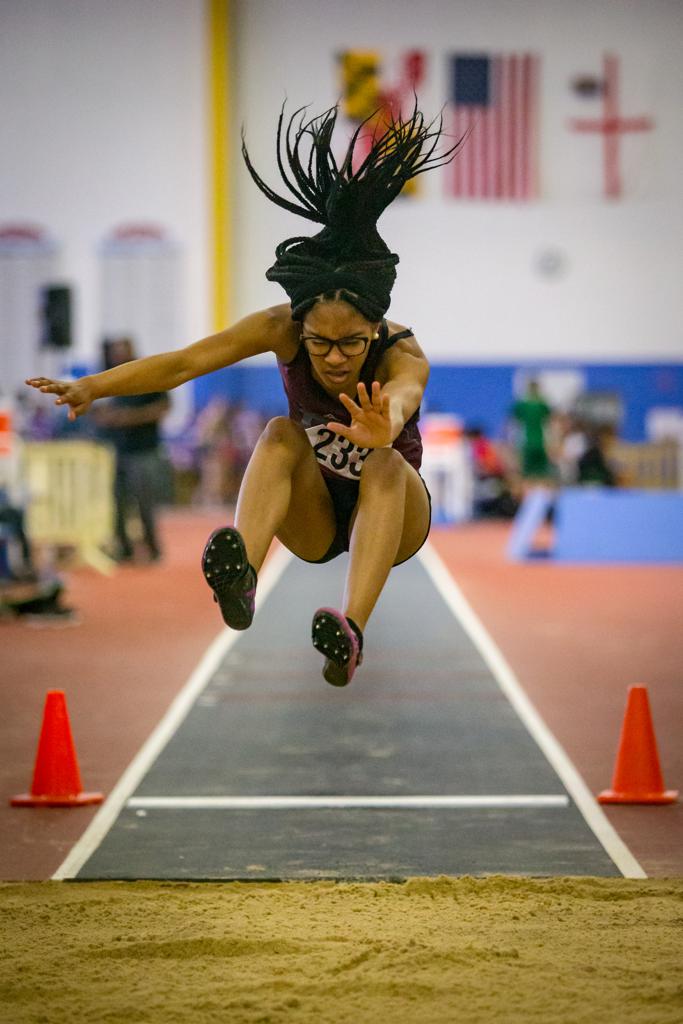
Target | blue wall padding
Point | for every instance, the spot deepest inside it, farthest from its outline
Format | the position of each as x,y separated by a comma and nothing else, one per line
641,387
602,525
481,394
257,386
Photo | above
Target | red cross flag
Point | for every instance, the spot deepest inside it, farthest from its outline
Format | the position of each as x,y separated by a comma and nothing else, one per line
612,125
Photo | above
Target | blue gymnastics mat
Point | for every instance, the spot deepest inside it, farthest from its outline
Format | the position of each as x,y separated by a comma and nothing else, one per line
602,525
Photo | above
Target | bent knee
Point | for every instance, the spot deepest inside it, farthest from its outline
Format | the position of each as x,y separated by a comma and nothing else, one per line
384,465
281,430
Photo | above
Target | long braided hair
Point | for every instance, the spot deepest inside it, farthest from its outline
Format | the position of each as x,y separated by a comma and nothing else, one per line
348,257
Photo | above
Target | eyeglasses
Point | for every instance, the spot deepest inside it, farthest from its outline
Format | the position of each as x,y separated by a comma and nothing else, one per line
347,347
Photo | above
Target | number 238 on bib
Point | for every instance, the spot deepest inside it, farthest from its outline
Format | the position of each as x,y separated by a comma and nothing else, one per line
337,453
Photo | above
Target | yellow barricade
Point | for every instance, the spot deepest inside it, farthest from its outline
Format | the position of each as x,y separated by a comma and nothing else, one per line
70,485
649,466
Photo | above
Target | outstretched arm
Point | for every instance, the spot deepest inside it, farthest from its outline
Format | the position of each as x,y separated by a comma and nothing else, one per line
379,417
265,331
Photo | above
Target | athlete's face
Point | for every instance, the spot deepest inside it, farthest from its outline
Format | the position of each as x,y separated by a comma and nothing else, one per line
339,368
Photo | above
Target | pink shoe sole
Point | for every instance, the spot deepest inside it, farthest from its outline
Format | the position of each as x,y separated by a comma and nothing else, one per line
338,643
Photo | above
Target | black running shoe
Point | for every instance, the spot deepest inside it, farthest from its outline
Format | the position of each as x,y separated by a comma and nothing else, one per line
339,643
227,571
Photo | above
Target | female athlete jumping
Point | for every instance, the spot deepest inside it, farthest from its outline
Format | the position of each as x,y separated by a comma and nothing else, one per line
341,471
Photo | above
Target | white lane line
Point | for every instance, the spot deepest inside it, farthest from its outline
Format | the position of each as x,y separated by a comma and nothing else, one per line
150,750
236,803
612,843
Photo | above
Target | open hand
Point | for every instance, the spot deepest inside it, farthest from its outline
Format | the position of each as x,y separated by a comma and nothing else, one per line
76,394
370,421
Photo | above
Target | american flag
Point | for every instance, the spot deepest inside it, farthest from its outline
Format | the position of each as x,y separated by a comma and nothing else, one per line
494,99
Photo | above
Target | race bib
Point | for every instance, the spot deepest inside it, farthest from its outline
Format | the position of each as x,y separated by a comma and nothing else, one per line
337,453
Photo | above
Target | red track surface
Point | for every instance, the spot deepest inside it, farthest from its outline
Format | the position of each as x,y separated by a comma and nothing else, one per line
576,637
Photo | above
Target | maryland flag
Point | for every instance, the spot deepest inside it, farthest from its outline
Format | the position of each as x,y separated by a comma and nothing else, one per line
367,89
360,75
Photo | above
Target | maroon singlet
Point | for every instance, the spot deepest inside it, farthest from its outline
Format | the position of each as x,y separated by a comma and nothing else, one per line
312,407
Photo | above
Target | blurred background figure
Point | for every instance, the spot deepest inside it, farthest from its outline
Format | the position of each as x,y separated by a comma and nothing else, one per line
594,465
570,444
493,487
16,558
130,423
12,529
216,454
26,590
247,426
533,414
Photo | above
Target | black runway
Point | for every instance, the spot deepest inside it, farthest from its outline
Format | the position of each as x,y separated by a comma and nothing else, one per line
423,718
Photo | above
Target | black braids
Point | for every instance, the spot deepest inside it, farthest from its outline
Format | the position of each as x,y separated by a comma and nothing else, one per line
307,210
397,155
320,130
304,181
347,257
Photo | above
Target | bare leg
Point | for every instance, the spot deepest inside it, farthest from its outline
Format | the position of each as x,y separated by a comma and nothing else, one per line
283,494
391,520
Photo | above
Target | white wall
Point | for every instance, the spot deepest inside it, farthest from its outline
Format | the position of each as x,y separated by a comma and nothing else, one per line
103,121
468,281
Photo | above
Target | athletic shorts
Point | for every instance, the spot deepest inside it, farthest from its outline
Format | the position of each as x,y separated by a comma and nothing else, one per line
344,494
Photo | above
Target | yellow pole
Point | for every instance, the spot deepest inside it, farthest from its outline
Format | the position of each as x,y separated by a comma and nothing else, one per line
221,180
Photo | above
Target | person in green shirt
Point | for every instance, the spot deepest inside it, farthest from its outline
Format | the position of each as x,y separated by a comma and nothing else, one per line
533,413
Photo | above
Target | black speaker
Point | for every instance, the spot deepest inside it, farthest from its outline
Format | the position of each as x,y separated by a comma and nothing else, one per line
56,317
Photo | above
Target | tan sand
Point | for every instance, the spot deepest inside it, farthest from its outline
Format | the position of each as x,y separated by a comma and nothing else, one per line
430,951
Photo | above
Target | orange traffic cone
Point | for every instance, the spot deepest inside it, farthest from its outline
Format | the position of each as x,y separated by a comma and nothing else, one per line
637,775
56,777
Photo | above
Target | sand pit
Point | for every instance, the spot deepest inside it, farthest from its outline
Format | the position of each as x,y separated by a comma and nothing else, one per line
430,950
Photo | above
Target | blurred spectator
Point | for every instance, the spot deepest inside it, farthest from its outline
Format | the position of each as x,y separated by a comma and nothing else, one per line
131,424
12,530
594,464
217,454
493,491
38,601
23,590
36,419
571,443
533,414
584,454
247,426
17,558
225,435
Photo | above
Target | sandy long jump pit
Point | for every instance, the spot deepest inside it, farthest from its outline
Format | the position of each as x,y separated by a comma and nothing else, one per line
471,950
